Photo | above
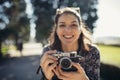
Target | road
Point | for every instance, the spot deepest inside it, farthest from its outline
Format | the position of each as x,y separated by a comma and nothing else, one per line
22,67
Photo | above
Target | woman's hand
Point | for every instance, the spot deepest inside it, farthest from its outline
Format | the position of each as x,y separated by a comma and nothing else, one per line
78,75
48,63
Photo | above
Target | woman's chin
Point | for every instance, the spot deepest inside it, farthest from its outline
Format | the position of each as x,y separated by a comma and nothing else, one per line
68,42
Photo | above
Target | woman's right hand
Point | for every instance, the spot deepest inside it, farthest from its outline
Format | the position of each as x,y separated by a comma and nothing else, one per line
45,62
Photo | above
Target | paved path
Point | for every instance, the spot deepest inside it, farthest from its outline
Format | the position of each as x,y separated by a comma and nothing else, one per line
22,68
28,49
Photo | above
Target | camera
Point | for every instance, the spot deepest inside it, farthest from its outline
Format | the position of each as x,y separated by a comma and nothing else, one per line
65,60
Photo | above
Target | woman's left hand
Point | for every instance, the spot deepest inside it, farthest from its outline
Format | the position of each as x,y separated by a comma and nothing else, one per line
78,75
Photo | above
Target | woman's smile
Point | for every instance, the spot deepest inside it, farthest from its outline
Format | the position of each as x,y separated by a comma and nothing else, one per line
68,29
68,36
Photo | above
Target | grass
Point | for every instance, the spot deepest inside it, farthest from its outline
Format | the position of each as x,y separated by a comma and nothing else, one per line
6,48
110,54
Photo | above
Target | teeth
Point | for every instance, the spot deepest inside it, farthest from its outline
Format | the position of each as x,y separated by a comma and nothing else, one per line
68,36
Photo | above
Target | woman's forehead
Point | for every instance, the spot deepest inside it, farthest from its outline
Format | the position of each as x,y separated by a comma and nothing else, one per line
67,17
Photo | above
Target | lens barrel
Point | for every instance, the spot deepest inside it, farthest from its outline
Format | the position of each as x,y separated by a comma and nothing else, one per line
65,63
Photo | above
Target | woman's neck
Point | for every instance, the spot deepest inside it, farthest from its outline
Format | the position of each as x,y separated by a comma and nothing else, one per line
69,48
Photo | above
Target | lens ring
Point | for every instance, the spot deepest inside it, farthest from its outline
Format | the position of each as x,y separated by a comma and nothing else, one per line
65,63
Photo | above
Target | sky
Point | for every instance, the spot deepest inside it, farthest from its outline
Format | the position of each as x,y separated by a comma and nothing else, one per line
29,11
108,23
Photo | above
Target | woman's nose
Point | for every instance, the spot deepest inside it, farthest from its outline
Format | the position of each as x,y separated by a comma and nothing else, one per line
68,29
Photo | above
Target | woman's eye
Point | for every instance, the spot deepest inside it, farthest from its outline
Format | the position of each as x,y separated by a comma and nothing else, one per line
74,25
61,25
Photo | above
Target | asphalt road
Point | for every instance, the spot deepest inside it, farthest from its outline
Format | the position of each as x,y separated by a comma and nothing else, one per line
21,67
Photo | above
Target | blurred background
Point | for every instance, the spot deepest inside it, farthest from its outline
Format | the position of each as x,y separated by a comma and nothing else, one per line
25,26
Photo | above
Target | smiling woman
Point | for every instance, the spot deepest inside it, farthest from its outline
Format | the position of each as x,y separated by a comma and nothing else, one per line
68,35
68,29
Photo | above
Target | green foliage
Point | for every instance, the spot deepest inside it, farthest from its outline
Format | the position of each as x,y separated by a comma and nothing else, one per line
15,20
17,17
5,49
7,32
45,10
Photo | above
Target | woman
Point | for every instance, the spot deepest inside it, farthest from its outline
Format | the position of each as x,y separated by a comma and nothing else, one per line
69,35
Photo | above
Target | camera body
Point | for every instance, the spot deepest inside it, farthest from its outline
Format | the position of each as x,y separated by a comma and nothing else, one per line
65,60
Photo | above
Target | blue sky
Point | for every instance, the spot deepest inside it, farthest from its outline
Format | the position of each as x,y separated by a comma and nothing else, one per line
108,23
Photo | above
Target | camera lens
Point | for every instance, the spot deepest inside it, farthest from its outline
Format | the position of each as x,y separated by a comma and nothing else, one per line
65,63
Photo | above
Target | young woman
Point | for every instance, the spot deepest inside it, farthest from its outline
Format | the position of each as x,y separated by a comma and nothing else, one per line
69,35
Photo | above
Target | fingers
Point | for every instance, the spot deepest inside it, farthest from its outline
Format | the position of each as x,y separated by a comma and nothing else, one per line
66,74
79,68
69,75
63,74
51,67
59,75
48,57
48,62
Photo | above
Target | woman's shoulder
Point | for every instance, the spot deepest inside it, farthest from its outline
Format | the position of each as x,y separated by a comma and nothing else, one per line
93,53
46,48
93,48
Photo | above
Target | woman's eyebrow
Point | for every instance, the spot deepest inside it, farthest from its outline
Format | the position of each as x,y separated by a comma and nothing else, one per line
61,22
74,21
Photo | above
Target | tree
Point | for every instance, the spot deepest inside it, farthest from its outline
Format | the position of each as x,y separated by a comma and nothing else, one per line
14,19
44,10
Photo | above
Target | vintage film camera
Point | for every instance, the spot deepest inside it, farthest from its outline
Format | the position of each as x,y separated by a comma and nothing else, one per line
65,60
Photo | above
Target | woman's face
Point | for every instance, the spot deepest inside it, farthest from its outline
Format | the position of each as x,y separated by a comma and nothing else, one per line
68,29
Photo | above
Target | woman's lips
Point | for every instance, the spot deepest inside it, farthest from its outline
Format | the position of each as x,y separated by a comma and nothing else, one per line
68,37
